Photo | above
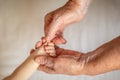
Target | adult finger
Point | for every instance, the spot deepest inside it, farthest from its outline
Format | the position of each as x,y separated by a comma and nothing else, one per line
55,26
48,19
59,40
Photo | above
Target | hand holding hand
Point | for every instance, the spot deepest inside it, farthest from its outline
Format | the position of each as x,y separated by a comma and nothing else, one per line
44,48
57,20
66,62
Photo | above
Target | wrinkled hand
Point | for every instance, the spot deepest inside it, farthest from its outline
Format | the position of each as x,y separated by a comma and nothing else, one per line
66,62
57,20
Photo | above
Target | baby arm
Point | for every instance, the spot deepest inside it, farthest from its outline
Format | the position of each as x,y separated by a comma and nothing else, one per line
27,68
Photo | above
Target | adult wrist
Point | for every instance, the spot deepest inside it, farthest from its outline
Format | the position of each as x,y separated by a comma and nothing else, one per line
85,63
82,64
93,62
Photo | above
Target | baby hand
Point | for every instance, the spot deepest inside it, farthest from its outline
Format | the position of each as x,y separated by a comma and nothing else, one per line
50,49
39,50
44,49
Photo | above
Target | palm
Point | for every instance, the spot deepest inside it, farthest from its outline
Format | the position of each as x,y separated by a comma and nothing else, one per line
66,62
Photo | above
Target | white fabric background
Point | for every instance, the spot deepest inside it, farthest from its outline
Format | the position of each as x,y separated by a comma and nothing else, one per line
22,24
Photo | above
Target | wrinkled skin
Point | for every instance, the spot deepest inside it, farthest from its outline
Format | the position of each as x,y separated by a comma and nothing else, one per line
66,62
104,59
56,21
62,62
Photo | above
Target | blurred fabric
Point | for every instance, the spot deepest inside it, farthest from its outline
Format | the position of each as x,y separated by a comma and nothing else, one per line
22,25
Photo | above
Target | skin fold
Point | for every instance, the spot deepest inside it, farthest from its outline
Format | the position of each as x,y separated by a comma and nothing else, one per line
104,59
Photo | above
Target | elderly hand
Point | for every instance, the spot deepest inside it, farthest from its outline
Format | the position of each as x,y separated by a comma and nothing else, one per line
104,59
66,62
57,20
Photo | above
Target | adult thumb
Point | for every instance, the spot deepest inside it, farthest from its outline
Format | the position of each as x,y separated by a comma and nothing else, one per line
59,40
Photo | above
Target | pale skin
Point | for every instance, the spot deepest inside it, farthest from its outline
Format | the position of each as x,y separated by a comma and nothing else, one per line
29,66
104,59
52,19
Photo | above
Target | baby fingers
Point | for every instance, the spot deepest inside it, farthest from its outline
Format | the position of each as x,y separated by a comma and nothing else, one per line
51,44
50,49
51,52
